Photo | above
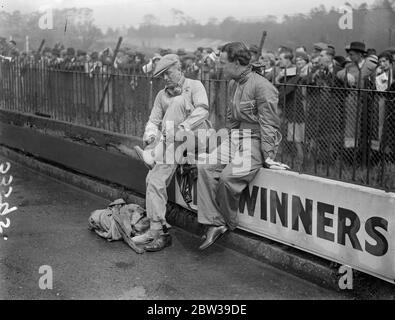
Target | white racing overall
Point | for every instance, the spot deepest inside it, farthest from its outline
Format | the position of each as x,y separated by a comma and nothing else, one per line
190,109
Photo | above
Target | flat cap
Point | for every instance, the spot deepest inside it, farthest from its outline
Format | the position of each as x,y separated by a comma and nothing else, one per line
320,46
117,202
165,63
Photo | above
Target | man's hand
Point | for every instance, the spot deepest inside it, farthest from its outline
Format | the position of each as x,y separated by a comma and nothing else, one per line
147,141
271,164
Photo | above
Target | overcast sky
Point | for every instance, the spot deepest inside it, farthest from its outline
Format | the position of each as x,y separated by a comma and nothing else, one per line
117,13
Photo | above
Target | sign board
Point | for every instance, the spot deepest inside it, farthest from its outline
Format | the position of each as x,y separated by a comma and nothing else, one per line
341,222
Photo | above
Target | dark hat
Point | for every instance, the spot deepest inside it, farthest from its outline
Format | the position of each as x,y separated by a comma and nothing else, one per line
330,51
356,46
165,63
320,46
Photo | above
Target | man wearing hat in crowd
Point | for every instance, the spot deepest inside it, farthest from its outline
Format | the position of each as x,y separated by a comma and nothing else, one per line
302,63
318,47
360,68
180,108
355,75
329,117
149,68
189,66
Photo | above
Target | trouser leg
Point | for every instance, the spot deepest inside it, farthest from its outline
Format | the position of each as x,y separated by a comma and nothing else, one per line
157,181
207,183
219,190
235,178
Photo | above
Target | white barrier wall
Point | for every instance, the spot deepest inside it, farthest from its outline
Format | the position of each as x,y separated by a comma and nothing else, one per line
342,222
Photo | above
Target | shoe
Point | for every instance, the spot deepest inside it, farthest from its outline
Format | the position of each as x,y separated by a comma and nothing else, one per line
146,237
163,241
146,156
212,235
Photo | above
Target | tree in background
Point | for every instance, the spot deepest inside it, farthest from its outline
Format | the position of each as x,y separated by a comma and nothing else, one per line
372,24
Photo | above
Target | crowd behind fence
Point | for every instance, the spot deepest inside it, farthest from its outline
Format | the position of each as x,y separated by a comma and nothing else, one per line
337,132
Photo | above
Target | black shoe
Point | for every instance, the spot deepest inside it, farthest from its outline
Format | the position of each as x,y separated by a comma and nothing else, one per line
159,243
212,235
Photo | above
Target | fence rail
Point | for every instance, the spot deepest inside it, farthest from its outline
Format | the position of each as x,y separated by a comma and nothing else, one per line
340,133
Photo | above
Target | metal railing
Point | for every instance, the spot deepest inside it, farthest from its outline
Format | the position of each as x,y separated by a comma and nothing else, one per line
340,133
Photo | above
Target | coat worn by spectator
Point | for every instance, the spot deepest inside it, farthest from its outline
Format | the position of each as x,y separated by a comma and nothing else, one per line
358,74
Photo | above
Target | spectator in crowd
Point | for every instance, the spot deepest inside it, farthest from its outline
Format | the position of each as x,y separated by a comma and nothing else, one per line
149,68
360,69
318,47
268,61
326,109
340,62
385,81
291,106
371,52
207,64
315,63
302,63
95,64
332,49
355,75
191,70
300,49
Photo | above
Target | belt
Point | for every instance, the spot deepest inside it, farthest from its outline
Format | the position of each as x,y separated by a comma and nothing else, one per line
254,127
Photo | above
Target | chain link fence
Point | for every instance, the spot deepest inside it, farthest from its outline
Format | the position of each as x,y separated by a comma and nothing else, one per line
341,133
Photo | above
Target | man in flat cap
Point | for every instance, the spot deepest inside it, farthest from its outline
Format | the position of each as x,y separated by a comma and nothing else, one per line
318,47
182,106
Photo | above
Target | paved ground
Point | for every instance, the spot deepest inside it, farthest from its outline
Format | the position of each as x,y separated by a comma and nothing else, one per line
50,228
